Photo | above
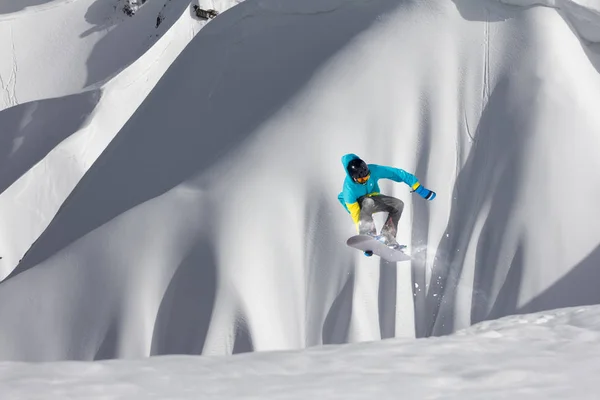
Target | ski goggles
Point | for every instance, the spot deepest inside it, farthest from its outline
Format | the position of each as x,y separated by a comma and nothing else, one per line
363,180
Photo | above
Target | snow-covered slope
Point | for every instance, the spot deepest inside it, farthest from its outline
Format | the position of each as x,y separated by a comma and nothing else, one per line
536,357
582,15
56,48
210,224
47,144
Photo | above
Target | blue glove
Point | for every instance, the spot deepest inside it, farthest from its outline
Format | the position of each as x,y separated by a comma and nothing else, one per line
425,193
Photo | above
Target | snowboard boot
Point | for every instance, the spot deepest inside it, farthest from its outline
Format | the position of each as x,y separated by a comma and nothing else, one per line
392,243
396,246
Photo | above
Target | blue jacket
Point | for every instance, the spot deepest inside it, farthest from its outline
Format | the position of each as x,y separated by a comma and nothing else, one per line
352,191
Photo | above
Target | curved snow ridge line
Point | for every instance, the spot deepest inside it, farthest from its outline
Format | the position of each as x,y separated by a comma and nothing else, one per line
121,96
584,15
565,319
33,9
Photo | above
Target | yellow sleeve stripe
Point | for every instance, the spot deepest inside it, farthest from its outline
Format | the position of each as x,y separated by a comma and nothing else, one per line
354,209
415,186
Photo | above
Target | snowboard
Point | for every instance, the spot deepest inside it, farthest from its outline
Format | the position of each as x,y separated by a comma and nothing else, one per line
370,245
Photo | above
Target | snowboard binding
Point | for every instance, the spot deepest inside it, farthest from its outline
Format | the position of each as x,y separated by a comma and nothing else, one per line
370,245
394,245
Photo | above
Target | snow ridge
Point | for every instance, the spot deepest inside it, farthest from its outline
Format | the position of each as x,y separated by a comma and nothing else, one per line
583,15
537,356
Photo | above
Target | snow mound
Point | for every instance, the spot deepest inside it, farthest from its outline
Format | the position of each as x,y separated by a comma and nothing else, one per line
583,15
537,356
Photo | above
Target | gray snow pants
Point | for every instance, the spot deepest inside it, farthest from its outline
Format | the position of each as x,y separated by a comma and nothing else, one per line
380,203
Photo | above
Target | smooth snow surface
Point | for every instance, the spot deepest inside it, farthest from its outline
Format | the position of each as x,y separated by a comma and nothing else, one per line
173,190
536,357
583,15
61,47
47,144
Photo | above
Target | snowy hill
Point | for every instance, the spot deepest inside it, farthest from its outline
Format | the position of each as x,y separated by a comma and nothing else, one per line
181,196
537,356
59,123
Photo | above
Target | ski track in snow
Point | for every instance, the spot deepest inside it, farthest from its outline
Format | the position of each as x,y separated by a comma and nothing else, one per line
9,85
486,62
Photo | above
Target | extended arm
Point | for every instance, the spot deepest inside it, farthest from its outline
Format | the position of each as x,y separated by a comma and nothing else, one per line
395,174
400,175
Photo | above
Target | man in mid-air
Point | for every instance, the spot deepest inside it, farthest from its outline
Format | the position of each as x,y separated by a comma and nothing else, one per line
361,196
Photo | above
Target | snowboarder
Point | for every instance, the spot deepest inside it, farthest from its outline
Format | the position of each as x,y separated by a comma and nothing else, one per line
361,196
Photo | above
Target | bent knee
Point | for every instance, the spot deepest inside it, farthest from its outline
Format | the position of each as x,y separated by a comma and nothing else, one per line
399,204
367,202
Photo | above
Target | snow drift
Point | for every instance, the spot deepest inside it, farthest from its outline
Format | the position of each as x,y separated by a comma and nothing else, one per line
210,223
537,356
